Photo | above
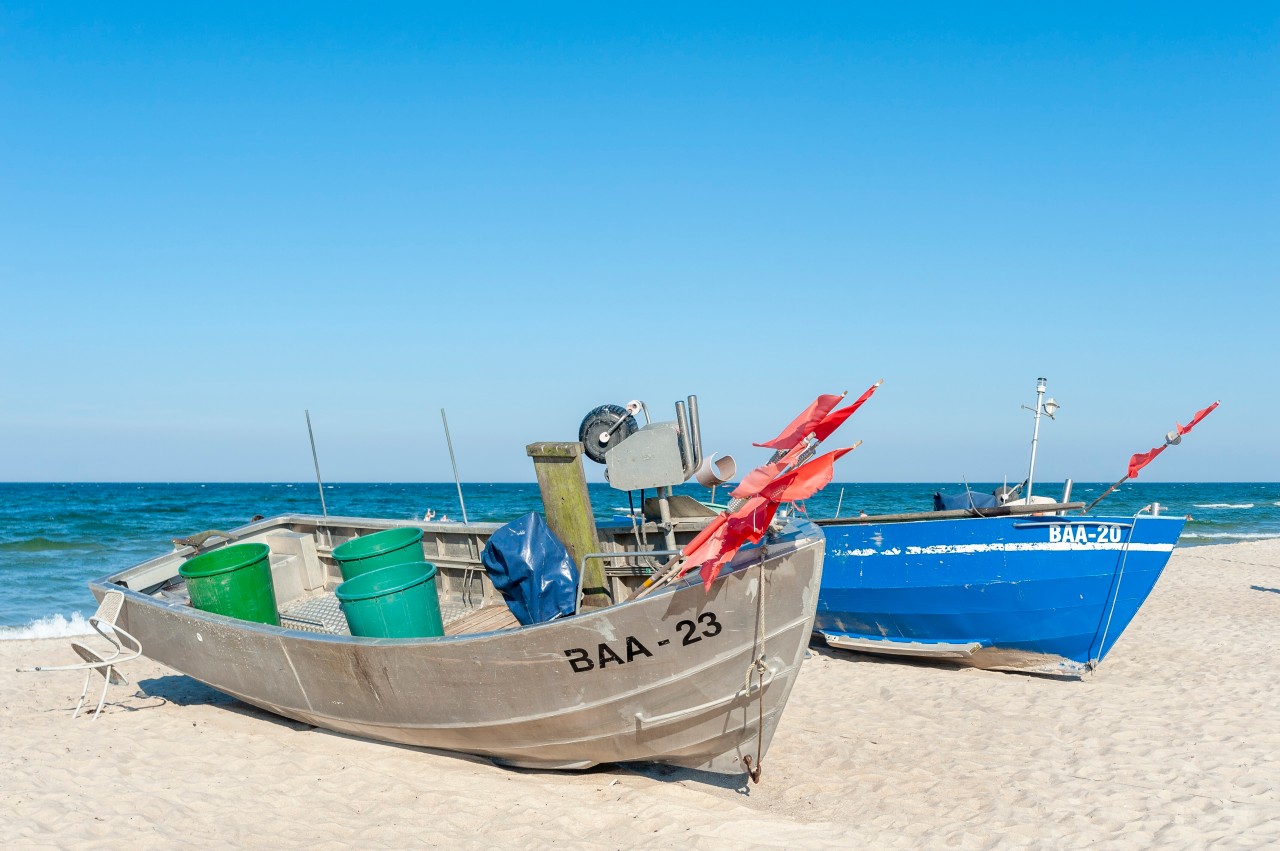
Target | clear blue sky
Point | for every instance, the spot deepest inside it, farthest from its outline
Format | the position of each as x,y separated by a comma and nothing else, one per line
215,217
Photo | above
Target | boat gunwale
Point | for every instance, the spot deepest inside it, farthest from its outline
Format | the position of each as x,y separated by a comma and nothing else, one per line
748,557
956,514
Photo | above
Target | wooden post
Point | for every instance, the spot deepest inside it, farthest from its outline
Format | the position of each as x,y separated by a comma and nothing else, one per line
563,484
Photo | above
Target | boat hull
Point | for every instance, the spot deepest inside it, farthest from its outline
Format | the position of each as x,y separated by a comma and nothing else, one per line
1047,594
660,679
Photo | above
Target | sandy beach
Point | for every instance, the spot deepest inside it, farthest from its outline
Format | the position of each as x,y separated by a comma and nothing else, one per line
1174,742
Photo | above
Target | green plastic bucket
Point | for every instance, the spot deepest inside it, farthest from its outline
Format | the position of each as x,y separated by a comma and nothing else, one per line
381,549
234,581
393,602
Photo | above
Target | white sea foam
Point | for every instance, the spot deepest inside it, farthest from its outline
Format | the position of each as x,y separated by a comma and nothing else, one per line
50,626
1225,504
1233,535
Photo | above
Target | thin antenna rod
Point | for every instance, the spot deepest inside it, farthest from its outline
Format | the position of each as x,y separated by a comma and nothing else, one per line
454,462
316,459
1035,436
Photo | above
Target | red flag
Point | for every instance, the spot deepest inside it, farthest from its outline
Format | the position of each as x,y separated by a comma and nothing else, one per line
725,535
717,543
707,531
1183,429
747,525
804,481
756,479
804,423
710,553
1142,459
762,475
835,419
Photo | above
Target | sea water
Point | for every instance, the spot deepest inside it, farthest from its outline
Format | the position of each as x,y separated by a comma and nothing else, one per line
54,538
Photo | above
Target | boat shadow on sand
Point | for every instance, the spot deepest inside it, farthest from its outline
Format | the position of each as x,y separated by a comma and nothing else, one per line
181,690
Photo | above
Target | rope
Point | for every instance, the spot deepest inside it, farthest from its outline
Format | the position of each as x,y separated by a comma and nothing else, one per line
759,668
656,574
1113,598
636,530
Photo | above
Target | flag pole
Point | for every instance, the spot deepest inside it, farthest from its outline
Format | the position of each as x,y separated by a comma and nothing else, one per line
324,509
1142,459
1107,493
454,461
779,454
806,446
659,577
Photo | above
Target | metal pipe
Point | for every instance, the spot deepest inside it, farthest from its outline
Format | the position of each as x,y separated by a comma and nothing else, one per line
696,433
686,451
1035,436
664,512
316,460
454,462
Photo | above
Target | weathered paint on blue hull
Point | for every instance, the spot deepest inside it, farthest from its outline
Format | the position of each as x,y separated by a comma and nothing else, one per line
1038,593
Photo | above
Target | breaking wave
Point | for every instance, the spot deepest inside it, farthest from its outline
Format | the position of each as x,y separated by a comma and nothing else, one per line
50,626
1239,536
1225,504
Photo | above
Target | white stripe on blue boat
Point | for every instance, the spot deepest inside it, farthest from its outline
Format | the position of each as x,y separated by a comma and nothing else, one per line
954,549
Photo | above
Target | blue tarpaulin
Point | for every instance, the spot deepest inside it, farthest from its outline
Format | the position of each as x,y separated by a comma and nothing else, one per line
532,569
968,499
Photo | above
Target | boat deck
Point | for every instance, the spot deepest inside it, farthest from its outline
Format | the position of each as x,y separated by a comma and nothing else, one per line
323,614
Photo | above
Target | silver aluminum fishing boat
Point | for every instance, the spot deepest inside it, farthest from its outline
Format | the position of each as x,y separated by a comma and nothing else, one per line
658,679
682,675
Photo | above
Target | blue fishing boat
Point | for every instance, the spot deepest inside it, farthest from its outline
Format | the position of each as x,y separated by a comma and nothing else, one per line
996,581
1048,593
